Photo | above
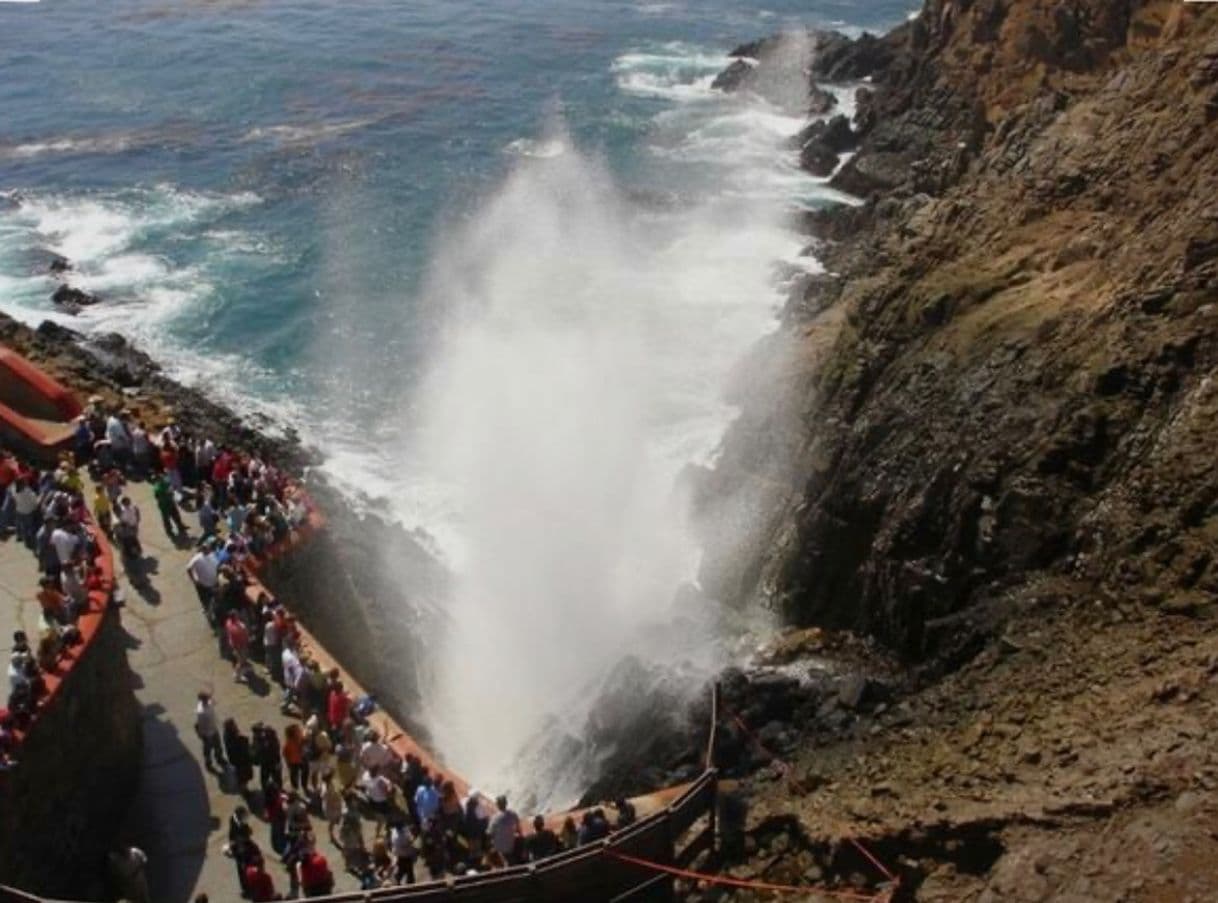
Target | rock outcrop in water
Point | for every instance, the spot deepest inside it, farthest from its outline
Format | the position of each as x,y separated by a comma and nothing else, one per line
990,450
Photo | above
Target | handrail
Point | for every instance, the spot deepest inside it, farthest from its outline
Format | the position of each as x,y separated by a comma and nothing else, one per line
88,624
587,872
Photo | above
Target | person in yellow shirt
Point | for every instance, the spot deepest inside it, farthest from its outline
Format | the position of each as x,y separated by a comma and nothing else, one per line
101,507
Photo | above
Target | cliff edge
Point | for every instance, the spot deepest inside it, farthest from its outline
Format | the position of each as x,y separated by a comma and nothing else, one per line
1005,372
984,438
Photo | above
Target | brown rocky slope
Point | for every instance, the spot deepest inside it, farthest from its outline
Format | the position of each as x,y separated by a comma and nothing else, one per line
989,446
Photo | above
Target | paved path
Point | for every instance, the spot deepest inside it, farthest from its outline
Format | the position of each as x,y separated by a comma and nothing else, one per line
19,608
180,814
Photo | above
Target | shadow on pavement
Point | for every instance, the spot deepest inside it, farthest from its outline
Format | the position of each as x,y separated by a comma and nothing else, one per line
170,818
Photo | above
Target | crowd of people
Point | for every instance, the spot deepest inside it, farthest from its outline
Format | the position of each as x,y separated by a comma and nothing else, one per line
250,501
45,510
389,818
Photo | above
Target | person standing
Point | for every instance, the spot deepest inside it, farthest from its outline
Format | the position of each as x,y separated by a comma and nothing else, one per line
208,729
25,507
259,886
338,707
237,748
272,647
204,573
66,545
405,851
129,527
505,831
130,868
208,519
314,874
239,642
426,801
8,505
102,509
294,757
543,842
163,491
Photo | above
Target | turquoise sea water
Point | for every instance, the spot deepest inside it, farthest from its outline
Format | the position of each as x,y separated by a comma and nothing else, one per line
260,180
495,259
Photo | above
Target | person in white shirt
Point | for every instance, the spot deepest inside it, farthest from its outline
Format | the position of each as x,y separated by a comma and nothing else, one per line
25,501
66,544
402,845
504,830
119,439
204,573
128,526
293,671
374,753
208,728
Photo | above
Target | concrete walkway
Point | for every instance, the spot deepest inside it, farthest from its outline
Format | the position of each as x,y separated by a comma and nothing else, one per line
180,814
19,609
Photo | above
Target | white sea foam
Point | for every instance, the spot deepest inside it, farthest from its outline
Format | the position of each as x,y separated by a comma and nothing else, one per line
540,149
293,134
107,144
673,71
105,237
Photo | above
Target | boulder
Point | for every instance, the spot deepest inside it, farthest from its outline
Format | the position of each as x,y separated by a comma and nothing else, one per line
820,101
818,159
840,58
73,299
822,143
733,77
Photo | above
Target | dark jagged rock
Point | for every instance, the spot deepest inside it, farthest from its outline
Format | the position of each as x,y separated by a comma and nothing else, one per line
903,523
839,58
768,68
733,77
73,299
822,143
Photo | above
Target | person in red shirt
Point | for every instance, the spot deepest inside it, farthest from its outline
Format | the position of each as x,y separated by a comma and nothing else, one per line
169,464
338,706
258,884
239,641
315,877
220,471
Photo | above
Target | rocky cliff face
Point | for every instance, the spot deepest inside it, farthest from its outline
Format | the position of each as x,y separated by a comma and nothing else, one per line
983,437
1007,373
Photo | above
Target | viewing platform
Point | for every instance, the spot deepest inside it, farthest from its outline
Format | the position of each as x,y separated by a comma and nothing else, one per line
116,725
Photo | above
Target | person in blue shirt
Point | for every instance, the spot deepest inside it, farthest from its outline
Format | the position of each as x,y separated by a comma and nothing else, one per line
426,801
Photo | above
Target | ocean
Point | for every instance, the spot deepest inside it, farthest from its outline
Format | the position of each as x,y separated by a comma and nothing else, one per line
495,260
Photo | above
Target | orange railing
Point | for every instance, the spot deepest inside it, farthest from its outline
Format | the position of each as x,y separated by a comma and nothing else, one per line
592,872
89,624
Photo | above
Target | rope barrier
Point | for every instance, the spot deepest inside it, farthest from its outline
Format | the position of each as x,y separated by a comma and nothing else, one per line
785,769
726,881
872,859
782,766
